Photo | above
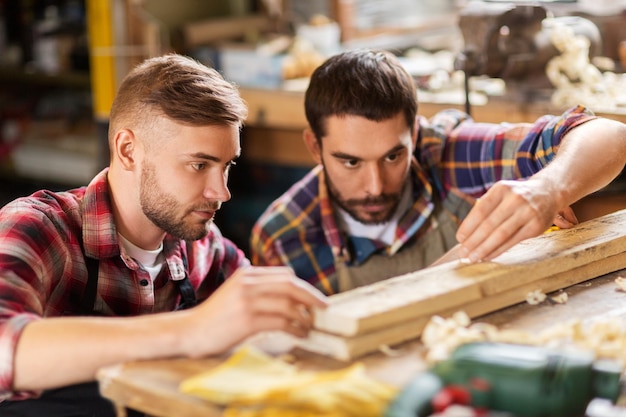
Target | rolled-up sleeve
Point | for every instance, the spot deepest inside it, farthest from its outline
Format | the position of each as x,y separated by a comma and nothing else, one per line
479,154
23,263
11,327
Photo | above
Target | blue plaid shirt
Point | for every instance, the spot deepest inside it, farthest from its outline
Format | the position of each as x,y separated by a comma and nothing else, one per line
455,157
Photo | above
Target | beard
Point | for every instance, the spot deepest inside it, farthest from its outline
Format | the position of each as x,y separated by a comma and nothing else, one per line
163,209
351,205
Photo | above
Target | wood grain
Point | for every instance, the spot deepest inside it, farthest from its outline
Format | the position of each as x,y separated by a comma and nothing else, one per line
152,386
349,348
392,311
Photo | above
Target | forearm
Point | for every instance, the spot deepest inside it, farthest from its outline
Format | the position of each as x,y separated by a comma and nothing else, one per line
585,164
61,351
54,352
590,156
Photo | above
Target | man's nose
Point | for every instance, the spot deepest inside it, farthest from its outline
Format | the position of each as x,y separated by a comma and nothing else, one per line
374,182
216,188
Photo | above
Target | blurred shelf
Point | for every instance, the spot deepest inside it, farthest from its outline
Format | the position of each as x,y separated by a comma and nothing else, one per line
72,79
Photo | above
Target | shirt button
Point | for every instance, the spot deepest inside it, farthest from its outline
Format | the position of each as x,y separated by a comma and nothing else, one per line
143,282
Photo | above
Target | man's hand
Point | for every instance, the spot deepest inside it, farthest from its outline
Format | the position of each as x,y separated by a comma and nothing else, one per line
508,213
254,299
250,301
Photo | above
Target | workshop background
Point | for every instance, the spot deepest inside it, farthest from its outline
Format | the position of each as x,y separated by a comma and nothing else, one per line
61,62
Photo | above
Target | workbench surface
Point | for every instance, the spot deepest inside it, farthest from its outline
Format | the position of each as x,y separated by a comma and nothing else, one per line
152,386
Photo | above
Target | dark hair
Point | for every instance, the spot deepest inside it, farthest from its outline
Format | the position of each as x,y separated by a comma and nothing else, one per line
180,88
368,83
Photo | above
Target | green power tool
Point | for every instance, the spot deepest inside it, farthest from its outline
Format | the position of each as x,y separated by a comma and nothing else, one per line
522,380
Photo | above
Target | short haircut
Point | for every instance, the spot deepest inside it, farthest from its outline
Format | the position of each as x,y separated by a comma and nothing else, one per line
179,88
361,82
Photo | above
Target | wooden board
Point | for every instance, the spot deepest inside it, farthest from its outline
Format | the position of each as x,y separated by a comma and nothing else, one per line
209,31
349,348
152,386
395,310
126,385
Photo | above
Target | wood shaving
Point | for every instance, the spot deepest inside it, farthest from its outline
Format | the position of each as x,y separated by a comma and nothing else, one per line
605,338
388,351
621,283
535,297
288,358
560,298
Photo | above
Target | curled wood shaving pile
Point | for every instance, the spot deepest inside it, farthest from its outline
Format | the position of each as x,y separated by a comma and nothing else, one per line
606,338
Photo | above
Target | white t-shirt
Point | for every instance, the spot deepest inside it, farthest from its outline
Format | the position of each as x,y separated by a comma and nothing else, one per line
150,260
384,232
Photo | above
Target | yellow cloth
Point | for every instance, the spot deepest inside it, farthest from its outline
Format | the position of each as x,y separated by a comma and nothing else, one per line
251,383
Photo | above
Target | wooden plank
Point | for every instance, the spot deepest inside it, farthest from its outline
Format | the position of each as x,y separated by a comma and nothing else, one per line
126,385
396,299
546,285
350,348
284,108
451,285
152,386
560,251
220,29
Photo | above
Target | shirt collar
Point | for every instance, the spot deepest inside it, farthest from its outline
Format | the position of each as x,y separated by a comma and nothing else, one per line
362,248
99,234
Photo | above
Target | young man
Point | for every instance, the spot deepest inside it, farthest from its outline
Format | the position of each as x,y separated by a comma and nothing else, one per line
391,188
132,247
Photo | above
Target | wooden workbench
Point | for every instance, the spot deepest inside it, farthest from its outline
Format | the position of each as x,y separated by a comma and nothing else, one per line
276,119
152,386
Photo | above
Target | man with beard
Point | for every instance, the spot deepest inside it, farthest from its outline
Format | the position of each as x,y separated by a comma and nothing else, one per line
131,248
391,188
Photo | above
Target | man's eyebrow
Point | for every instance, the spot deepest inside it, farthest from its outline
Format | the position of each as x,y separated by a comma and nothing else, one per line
343,155
395,149
202,155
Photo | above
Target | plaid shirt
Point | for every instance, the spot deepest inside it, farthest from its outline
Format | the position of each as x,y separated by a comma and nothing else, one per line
43,242
455,157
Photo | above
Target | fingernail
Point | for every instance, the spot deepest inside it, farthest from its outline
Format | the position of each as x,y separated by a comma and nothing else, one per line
474,258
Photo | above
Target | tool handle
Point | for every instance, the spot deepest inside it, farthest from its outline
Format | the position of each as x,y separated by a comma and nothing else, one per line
415,400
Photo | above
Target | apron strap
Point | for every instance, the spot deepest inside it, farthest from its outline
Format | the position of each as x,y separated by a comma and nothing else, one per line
88,300
187,293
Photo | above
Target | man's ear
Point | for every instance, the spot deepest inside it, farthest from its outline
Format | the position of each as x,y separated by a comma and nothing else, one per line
124,148
312,145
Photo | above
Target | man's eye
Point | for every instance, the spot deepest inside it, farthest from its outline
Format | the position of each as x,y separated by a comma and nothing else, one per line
199,166
351,163
393,157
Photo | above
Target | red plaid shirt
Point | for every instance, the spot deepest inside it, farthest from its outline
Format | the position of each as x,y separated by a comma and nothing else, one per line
43,242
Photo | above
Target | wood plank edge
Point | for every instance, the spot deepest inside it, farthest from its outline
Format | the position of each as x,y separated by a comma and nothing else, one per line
482,280
349,348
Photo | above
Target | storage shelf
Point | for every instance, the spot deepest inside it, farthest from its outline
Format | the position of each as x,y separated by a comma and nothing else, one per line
40,79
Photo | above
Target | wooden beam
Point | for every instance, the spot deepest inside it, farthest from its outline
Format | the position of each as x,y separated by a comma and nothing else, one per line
454,284
392,311
348,348
210,31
